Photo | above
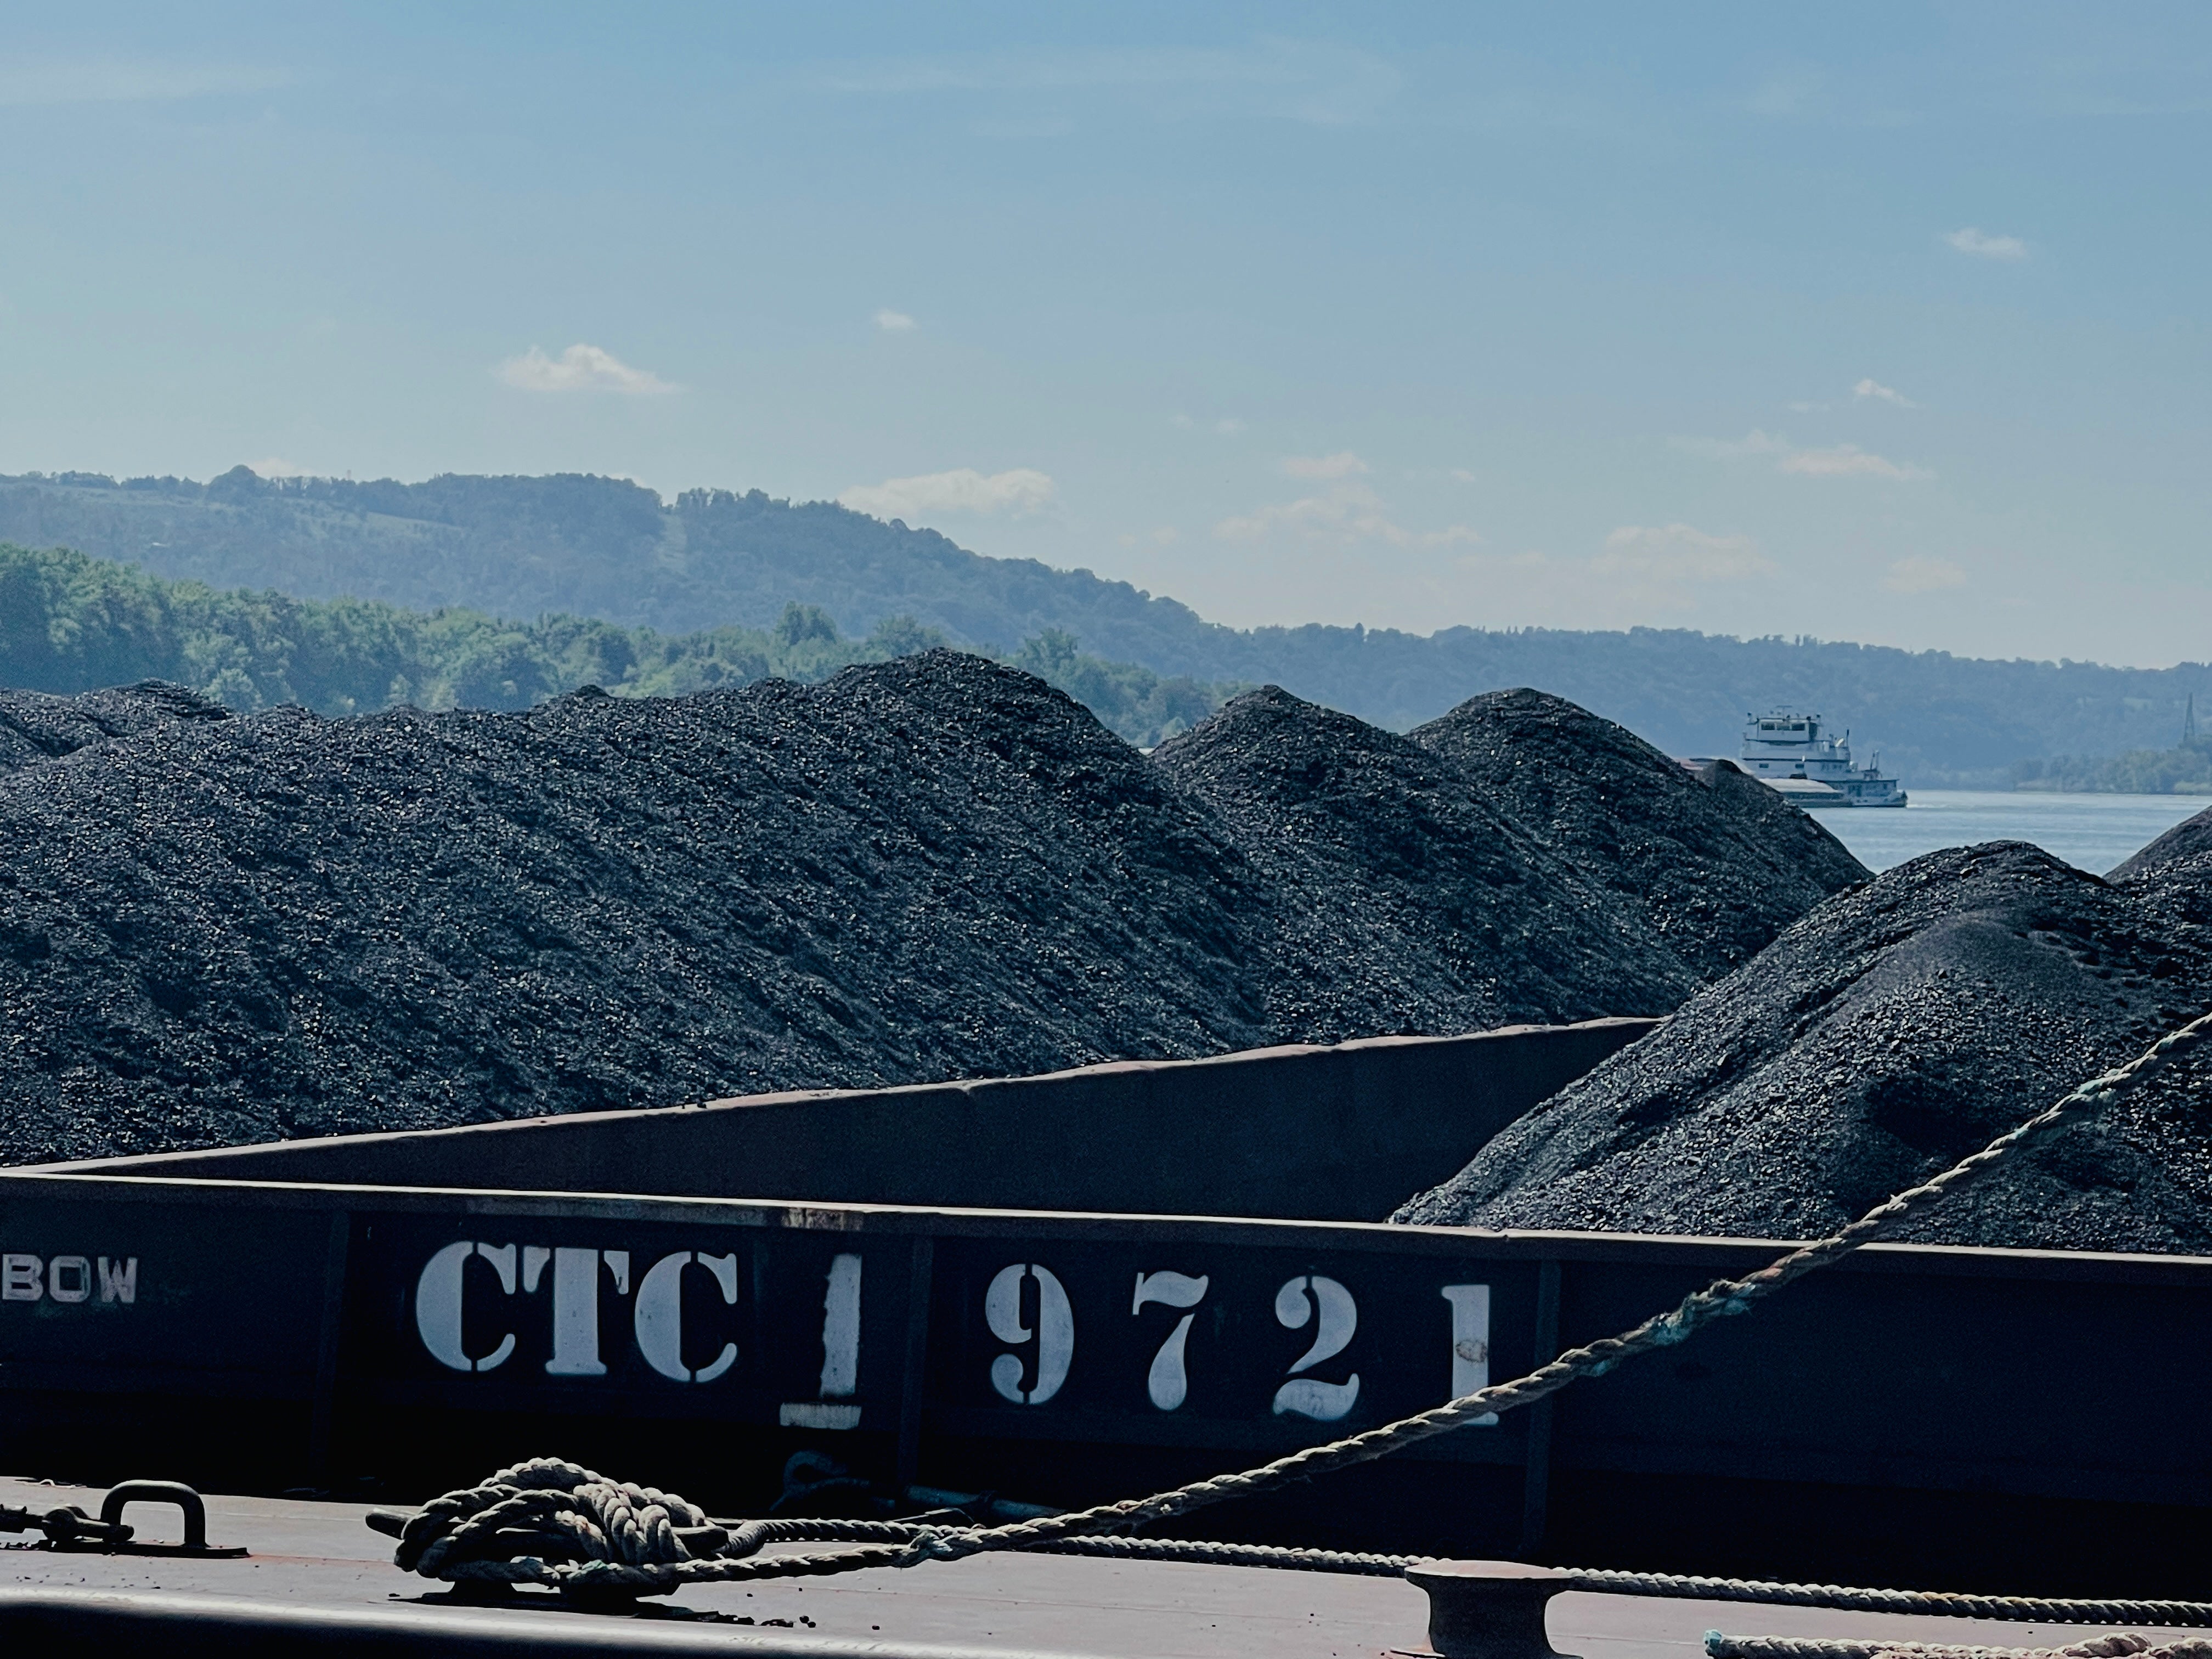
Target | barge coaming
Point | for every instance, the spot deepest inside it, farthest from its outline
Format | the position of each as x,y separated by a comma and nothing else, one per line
318,1336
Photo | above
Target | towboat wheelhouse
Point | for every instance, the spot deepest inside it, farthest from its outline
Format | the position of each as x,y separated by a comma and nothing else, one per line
1788,751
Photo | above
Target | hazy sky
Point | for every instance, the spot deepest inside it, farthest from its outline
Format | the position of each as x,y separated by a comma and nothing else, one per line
1876,322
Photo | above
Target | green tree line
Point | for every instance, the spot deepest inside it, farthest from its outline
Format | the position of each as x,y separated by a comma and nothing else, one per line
579,546
2186,770
70,624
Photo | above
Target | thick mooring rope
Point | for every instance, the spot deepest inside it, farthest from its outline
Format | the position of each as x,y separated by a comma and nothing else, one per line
484,1532
2020,1609
2118,1646
552,1523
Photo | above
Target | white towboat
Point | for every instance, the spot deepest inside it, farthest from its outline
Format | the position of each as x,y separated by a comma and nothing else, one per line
1788,752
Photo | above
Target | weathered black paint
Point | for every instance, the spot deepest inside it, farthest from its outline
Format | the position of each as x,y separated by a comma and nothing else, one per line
1985,1420
1342,1133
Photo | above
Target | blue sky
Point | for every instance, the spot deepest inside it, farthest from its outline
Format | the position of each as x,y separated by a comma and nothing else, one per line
1884,322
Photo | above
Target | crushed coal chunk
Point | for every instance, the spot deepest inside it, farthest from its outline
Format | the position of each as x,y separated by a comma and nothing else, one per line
1400,898
1892,1031
1711,862
36,727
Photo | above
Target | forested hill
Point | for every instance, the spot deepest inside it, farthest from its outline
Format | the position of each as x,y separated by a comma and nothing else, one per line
588,546
607,549
70,623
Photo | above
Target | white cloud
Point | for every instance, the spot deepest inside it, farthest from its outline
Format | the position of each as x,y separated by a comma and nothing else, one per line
963,490
1835,461
893,322
1971,239
1164,535
1350,513
1676,553
1736,449
1919,575
1460,474
580,368
1847,461
1871,388
1228,426
276,468
1641,570
115,82
1342,465
1320,82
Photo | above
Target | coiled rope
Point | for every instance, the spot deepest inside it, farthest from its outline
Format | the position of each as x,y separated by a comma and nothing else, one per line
548,1507
552,1523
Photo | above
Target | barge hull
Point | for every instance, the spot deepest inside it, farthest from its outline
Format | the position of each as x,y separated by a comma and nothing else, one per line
1974,1418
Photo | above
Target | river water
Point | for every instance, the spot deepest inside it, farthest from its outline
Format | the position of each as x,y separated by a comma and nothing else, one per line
2093,832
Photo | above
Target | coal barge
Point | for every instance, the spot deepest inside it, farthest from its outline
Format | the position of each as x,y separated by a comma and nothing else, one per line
1087,1285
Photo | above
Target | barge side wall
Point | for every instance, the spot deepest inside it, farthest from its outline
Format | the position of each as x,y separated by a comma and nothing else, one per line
1921,1416
1340,1133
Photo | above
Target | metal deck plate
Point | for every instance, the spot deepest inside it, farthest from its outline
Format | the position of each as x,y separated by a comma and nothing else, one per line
319,1559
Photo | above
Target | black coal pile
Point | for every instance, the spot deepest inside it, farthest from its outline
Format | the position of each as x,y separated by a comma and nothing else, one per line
1711,862
37,727
283,926
1399,899
223,929
1891,1032
2171,862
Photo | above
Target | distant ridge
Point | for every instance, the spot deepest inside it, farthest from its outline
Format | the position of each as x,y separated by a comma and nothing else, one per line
609,549
589,547
72,628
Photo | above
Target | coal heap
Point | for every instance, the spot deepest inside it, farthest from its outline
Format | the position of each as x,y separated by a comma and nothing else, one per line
226,930
1894,1031
283,926
2166,862
1712,862
36,727
1400,898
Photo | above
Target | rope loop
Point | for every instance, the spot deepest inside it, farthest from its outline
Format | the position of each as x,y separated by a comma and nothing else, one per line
931,1544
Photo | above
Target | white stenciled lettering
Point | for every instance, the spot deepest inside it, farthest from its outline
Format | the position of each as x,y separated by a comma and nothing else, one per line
438,1296
1055,1333
118,1280
841,1329
1168,1382
576,1306
1309,1396
68,1279
659,1315
22,1278
1470,1343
